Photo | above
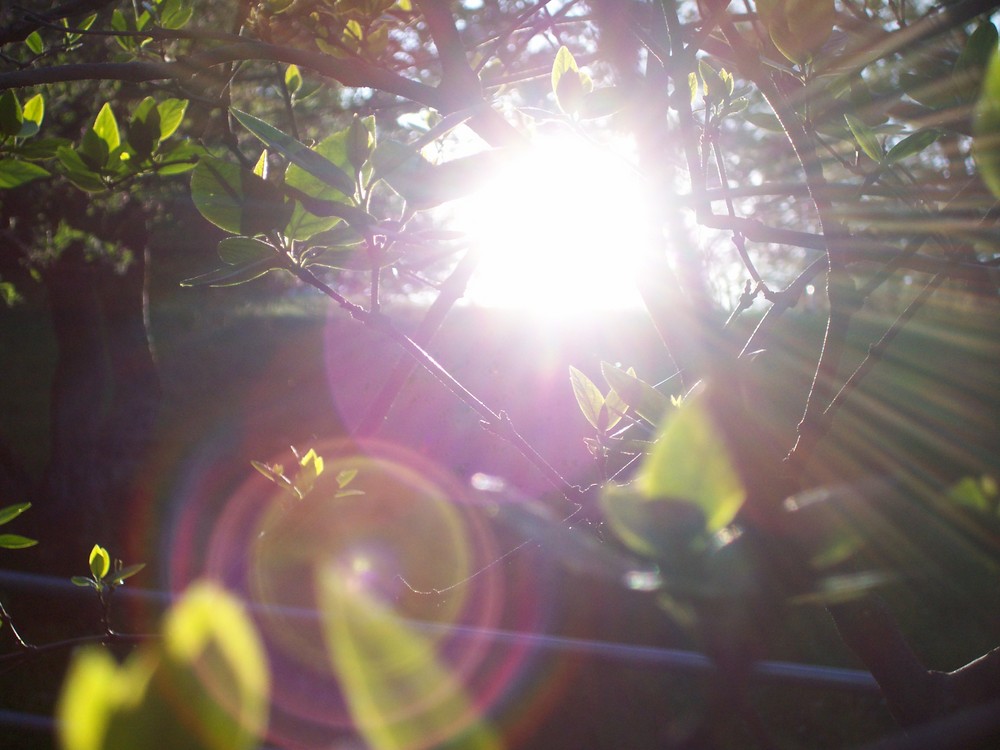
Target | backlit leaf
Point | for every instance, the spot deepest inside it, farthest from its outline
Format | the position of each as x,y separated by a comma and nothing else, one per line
237,200
398,688
865,137
100,562
239,250
10,512
297,152
647,402
589,398
690,462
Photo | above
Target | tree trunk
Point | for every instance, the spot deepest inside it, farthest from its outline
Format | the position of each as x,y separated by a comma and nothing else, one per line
105,396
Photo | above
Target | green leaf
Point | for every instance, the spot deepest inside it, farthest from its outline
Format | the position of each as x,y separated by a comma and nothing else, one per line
237,200
865,138
647,402
303,223
234,275
714,86
359,143
11,115
106,127
16,541
691,462
100,562
14,172
77,172
40,148
652,527
204,687
33,113
127,572
986,127
10,512
171,113
241,250
297,152
589,398
83,581
293,78
912,144
174,14
34,42
564,63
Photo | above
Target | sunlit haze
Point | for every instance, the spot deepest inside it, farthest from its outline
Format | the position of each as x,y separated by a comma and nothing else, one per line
560,228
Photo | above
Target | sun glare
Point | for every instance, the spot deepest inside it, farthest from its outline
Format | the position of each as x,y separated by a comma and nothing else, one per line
560,229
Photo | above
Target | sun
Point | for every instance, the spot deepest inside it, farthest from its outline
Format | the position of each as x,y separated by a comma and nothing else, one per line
561,230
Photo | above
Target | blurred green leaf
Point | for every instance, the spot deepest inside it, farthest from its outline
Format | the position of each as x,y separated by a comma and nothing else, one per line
14,172
798,28
204,687
986,127
972,62
399,690
690,462
83,581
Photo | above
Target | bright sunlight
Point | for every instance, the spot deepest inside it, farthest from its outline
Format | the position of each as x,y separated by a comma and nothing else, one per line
561,230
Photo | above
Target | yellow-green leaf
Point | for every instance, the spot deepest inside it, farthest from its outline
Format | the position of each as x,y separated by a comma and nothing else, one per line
100,562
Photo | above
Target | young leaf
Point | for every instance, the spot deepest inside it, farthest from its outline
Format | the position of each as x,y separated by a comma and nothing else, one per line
297,152
563,63
127,572
647,402
83,581
106,127
10,512
34,42
865,137
293,78
16,541
100,562
589,398
33,113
